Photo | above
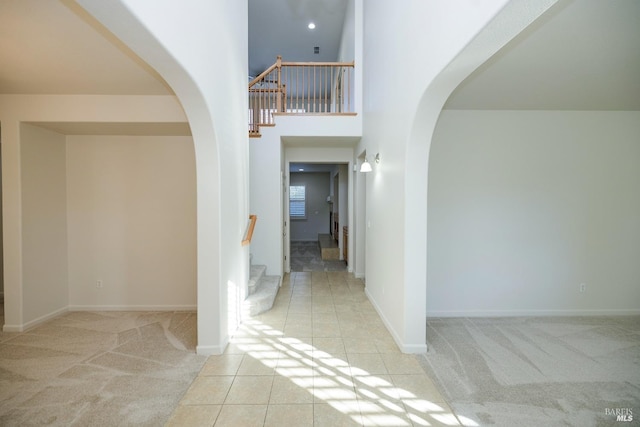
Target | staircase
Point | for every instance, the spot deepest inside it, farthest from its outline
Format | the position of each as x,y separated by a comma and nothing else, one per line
262,291
300,88
328,247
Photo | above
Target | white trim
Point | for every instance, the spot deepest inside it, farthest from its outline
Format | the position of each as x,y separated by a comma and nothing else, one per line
212,350
405,348
209,350
35,322
415,348
534,313
42,319
133,308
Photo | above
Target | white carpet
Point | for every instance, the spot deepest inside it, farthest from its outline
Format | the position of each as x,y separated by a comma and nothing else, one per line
537,371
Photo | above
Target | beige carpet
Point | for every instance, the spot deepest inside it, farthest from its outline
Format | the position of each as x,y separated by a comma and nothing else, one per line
98,369
551,371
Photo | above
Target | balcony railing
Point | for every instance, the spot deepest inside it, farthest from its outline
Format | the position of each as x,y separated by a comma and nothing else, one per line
321,88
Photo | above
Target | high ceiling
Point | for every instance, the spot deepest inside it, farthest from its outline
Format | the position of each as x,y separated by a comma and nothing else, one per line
54,47
582,54
279,27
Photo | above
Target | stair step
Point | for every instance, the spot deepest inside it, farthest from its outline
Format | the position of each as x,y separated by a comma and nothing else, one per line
263,297
255,274
328,247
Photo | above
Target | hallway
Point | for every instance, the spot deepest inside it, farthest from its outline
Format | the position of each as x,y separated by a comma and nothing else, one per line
320,357
305,256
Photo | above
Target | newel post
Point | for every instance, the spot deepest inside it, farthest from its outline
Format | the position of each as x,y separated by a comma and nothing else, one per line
279,91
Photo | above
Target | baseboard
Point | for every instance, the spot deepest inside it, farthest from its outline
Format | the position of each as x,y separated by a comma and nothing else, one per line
35,322
532,313
414,348
212,350
42,319
405,348
133,308
12,328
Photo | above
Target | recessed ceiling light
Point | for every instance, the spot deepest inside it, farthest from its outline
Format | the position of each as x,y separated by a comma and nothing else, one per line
311,26
301,170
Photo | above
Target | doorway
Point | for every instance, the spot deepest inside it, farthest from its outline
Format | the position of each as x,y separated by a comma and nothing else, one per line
317,212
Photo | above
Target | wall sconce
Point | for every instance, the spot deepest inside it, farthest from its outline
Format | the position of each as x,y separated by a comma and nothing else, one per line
365,166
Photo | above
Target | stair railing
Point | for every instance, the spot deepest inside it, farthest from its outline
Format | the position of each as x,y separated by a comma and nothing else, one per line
300,88
249,233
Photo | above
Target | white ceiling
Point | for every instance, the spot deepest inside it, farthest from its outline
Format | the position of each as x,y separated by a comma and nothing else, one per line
55,47
583,54
580,55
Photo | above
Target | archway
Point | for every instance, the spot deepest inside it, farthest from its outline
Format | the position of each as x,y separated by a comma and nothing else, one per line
177,45
509,22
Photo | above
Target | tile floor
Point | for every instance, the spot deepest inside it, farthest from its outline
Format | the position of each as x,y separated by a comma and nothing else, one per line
320,357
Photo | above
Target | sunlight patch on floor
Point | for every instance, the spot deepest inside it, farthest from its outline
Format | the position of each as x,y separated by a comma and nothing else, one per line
321,357
351,390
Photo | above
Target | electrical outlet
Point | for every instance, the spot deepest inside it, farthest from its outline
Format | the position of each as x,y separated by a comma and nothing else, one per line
99,284
583,287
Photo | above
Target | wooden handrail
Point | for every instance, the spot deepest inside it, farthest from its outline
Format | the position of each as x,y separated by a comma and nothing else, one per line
319,64
263,74
252,225
300,88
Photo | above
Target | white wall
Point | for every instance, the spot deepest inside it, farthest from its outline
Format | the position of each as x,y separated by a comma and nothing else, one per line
15,110
317,188
200,49
270,166
44,223
1,226
347,50
314,127
358,233
405,87
526,205
343,205
265,174
132,222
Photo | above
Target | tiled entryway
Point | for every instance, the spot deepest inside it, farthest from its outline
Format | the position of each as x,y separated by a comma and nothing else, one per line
320,357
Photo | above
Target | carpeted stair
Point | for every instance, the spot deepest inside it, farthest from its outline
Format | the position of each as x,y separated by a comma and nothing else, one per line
328,247
262,291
